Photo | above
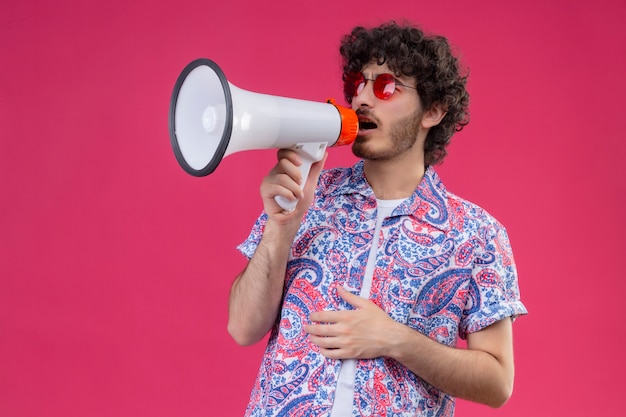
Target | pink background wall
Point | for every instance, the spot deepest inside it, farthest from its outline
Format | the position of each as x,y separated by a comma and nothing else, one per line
115,264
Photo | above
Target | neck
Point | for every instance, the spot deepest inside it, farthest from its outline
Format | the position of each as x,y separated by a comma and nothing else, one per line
392,180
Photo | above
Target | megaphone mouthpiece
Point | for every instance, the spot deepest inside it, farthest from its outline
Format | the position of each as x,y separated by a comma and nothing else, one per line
349,124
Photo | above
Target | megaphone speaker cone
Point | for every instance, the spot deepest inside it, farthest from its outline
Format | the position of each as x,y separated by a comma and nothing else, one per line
201,117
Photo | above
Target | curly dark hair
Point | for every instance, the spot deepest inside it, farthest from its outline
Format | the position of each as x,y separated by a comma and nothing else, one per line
409,52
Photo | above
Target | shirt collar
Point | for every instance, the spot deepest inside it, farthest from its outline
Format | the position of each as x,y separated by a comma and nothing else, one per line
429,202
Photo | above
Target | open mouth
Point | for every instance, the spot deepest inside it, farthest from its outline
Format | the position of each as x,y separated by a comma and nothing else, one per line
366,124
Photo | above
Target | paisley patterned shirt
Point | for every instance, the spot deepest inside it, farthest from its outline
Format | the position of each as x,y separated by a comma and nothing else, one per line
444,268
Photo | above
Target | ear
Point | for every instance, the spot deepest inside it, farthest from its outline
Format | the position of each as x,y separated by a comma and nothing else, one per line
433,116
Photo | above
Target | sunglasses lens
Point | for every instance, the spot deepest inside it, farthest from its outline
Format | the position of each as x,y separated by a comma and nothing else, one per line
353,84
384,86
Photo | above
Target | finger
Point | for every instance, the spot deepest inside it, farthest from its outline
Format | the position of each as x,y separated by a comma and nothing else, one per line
326,316
289,166
283,180
334,353
286,185
321,330
270,188
288,163
324,341
352,299
290,155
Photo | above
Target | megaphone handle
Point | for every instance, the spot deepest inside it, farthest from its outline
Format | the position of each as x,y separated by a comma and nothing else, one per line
310,153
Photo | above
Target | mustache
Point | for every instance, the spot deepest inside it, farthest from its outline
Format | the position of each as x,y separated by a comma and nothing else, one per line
367,114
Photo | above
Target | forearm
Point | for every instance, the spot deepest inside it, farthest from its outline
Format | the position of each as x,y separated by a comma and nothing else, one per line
256,294
472,374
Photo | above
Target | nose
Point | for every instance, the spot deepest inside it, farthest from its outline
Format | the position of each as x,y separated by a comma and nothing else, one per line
365,98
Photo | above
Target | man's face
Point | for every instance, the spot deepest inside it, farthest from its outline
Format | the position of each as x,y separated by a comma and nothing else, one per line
390,127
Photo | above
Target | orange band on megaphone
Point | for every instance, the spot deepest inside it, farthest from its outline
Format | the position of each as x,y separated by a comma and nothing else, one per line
349,124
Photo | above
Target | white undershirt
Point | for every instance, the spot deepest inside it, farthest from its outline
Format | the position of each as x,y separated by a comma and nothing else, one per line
344,396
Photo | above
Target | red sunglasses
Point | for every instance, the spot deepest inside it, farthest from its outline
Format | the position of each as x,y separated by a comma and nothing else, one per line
384,85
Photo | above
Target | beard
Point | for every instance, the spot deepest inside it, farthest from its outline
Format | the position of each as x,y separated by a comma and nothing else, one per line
403,135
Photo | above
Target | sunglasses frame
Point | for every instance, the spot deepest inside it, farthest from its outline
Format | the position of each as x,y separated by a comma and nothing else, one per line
353,82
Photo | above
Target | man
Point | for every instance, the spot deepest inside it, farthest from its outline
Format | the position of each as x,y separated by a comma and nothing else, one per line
369,282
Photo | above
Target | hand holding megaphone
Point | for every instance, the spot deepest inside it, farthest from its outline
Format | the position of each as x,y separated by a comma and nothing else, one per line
210,118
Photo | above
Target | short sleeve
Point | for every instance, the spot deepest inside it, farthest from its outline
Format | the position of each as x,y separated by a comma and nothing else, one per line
493,292
248,247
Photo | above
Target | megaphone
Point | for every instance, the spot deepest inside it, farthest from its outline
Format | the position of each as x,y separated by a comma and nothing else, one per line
211,118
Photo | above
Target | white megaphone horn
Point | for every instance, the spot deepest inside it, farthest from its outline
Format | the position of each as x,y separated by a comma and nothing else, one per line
210,118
